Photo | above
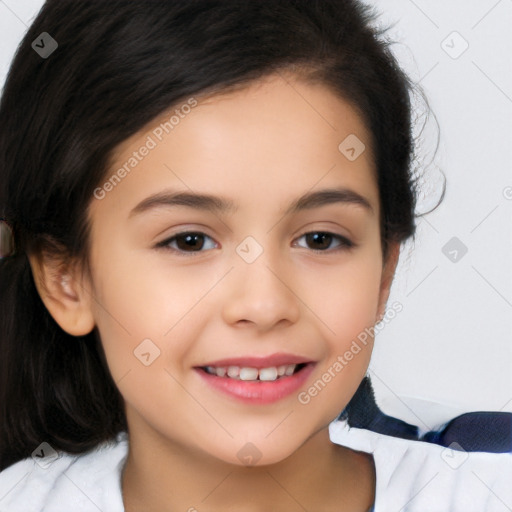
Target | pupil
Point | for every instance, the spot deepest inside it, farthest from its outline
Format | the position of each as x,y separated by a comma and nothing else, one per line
319,238
189,241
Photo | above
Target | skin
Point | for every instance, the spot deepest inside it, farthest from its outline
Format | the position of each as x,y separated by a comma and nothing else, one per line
261,147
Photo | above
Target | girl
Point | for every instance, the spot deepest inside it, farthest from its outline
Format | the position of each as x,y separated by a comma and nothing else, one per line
206,202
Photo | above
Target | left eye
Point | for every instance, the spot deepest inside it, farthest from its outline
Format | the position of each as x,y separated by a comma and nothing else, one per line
324,239
190,242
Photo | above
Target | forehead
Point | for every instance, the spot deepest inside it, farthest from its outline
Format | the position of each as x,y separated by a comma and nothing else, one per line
277,134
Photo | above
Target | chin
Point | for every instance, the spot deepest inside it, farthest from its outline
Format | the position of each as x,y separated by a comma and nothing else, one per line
258,453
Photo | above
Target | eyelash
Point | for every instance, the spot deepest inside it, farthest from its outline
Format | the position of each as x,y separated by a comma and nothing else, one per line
345,243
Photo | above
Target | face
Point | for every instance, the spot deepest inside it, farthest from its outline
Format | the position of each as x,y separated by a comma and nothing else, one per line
276,275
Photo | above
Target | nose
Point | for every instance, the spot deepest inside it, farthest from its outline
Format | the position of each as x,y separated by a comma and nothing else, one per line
260,294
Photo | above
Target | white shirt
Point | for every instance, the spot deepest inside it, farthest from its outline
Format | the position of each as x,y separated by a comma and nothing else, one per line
412,476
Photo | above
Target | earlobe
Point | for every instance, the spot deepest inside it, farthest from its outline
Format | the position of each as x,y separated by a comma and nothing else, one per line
61,291
388,274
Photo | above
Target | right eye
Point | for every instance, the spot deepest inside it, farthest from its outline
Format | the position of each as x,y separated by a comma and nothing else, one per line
185,242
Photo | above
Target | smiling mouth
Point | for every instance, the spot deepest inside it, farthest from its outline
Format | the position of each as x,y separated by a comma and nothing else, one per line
247,373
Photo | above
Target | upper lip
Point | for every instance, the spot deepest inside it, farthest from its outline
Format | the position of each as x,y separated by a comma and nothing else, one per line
260,361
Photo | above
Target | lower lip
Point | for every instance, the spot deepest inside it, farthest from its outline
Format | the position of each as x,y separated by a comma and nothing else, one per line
258,392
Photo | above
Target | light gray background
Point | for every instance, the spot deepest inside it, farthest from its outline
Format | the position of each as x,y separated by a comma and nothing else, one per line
449,350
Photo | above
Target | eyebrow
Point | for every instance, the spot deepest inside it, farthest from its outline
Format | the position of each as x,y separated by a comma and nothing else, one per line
215,204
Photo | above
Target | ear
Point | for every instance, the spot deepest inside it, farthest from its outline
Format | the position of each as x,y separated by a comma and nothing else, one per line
62,291
388,273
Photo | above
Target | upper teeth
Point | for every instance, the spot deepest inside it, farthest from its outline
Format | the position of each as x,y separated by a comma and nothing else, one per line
248,373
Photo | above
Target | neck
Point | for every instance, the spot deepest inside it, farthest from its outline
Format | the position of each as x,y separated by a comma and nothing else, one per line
172,477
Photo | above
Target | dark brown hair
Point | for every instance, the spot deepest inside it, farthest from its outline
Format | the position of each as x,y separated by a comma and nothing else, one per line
119,64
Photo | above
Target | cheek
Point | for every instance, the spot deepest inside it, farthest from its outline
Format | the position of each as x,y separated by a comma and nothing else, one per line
347,316
347,305
346,297
136,301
